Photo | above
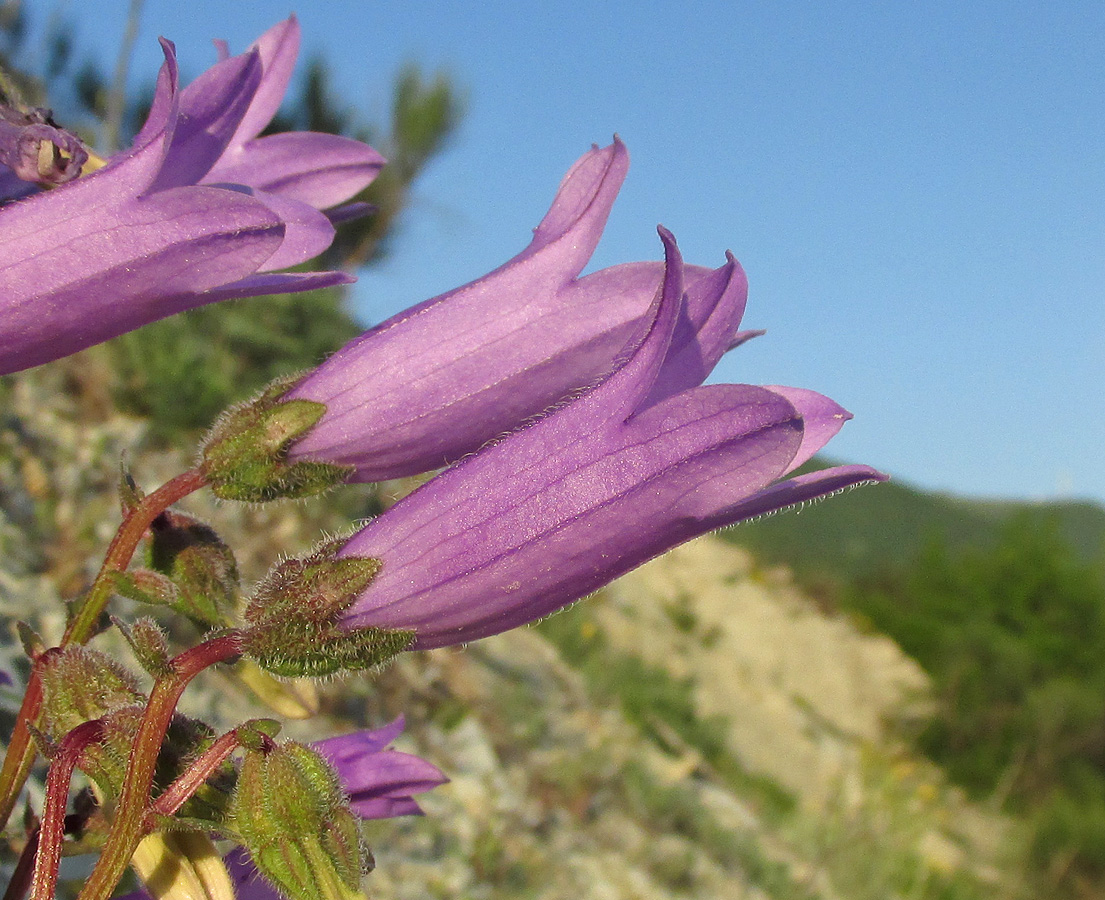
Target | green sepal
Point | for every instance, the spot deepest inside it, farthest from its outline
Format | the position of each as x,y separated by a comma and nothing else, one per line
130,494
245,457
314,650
145,586
318,587
149,645
33,645
46,748
294,618
257,734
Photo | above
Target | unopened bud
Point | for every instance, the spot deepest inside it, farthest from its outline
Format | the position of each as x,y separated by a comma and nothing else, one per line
80,684
246,455
200,566
290,814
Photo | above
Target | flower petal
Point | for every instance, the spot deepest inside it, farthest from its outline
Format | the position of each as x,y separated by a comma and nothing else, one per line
111,266
320,169
715,306
796,490
272,283
307,232
822,418
278,48
439,380
164,106
211,108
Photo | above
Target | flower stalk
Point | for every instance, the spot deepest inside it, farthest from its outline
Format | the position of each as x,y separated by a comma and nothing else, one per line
21,751
127,829
180,791
51,833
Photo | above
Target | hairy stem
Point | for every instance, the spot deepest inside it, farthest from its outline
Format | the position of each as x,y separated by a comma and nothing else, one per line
20,756
134,799
51,834
21,875
178,793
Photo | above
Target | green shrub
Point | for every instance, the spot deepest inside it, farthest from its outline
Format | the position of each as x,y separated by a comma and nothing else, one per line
1014,637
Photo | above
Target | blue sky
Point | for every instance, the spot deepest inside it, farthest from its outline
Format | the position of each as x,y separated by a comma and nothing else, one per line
916,190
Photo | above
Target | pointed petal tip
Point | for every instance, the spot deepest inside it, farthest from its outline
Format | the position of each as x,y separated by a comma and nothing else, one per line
742,337
668,240
582,205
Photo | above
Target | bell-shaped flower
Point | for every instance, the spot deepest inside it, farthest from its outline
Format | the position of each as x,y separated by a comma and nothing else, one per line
380,782
645,460
443,378
159,228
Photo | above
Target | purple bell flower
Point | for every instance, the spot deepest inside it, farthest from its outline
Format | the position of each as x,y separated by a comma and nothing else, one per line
380,782
440,380
645,460
161,228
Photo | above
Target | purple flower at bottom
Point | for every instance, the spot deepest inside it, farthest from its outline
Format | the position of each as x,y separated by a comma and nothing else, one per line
443,378
642,462
162,227
379,782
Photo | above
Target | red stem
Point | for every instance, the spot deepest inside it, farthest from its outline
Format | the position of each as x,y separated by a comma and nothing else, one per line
21,875
51,833
178,793
20,756
134,799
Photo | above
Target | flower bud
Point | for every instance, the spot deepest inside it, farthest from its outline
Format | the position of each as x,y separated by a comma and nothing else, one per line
290,814
80,684
246,455
199,564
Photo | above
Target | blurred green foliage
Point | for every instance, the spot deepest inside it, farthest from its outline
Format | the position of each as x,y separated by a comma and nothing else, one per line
861,532
183,371
1014,638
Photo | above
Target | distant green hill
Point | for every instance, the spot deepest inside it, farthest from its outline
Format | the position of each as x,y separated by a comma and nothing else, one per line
879,526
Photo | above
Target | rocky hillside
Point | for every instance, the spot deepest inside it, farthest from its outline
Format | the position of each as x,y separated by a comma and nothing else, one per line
698,729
